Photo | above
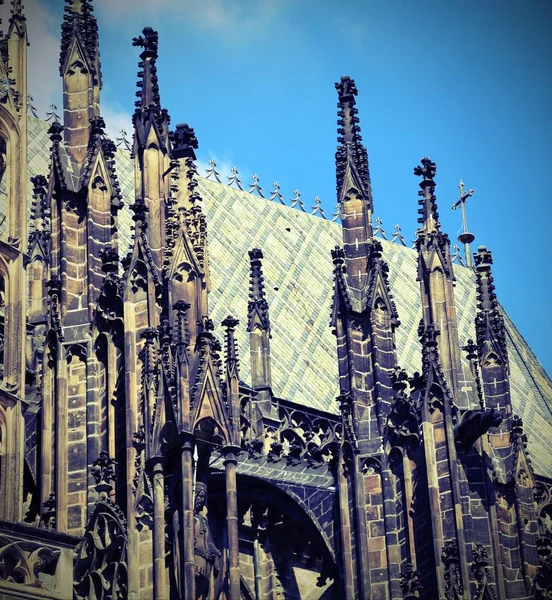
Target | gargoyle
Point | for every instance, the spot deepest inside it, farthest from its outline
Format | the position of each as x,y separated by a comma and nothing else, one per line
474,424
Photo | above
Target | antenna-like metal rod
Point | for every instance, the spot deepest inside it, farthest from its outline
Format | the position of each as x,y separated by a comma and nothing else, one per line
465,237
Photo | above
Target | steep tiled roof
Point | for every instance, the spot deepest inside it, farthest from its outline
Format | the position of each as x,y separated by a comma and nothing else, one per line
298,274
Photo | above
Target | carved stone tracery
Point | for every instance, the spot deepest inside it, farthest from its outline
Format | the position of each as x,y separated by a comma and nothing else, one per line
28,563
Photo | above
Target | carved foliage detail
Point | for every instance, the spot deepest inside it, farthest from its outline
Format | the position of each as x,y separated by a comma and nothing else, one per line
453,578
100,569
410,582
305,437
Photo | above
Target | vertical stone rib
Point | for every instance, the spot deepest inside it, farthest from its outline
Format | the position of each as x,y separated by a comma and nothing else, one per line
230,463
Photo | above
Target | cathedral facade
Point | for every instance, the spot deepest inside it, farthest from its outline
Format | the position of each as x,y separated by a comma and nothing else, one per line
208,394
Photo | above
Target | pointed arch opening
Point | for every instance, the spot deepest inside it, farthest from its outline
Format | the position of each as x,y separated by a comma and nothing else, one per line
282,550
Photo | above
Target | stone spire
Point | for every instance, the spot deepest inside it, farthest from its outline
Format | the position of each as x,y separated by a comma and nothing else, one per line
79,22
350,151
429,215
79,65
151,147
258,323
148,106
491,335
489,321
354,192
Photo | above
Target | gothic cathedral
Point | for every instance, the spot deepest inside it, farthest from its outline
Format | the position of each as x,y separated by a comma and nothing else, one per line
209,394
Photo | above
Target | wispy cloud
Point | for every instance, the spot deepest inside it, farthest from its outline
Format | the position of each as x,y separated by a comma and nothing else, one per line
228,17
116,120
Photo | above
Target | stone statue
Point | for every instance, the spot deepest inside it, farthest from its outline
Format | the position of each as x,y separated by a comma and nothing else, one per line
207,555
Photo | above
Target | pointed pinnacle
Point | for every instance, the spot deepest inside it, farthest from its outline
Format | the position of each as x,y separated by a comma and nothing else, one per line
257,300
429,215
350,148
148,93
485,287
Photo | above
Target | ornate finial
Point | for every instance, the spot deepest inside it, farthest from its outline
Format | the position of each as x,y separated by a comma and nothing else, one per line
52,115
230,323
184,141
465,237
427,169
296,201
379,230
30,107
398,237
317,208
337,213
55,130
255,187
149,41
456,256
212,171
103,471
275,193
234,178
207,324
110,260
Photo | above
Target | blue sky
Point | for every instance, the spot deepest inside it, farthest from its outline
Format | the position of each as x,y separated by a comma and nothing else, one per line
467,83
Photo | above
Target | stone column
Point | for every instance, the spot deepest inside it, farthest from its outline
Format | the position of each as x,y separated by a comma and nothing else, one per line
230,462
159,579
61,466
188,559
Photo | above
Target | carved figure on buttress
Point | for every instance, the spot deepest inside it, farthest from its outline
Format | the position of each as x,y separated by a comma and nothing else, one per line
207,555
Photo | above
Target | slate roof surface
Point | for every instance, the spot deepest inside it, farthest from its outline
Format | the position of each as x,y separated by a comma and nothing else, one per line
297,269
